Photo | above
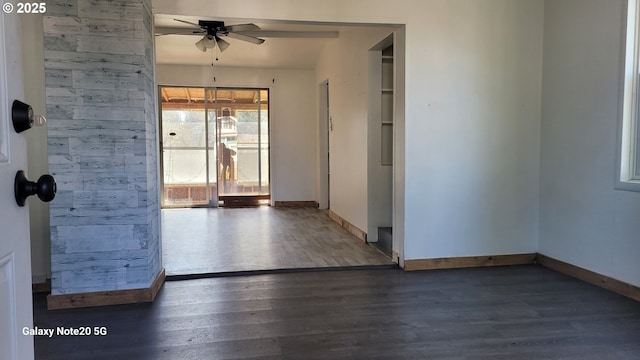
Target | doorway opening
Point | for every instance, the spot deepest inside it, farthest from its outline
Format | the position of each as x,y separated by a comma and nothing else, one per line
214,146
381,145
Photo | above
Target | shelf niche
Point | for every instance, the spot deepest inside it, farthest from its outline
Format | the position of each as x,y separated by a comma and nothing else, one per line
386,132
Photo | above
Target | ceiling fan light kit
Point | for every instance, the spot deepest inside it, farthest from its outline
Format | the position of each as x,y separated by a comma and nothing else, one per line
207,42
222,45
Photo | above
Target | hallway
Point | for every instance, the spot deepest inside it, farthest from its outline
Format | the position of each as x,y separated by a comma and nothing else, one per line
227,240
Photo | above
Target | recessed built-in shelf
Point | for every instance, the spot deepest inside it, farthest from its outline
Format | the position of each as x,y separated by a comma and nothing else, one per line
386,115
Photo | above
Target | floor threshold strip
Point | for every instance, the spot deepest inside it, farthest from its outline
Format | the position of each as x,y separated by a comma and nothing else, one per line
275,271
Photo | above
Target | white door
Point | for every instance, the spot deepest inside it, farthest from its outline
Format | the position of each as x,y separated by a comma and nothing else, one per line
15,257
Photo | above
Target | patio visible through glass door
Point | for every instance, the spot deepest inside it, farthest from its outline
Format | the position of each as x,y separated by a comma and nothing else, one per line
215,146
243,141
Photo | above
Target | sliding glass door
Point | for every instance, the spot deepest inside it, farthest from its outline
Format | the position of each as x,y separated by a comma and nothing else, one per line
215,145
243,141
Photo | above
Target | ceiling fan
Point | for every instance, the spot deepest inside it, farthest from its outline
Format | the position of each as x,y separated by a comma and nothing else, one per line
213,31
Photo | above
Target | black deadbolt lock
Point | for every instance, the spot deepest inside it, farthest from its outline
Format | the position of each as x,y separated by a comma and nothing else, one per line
45,188
23,117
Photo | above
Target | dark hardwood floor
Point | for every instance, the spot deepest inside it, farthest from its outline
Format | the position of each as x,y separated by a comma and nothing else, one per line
518,312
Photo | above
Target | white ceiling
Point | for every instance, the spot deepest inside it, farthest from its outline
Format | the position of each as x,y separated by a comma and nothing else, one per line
294,53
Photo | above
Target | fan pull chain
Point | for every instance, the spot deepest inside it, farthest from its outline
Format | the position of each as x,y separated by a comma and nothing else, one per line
213,68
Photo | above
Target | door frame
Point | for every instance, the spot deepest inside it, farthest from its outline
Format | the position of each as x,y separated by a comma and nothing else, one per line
324,146
16,309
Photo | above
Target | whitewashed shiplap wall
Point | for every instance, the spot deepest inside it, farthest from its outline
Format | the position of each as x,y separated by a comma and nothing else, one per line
102,145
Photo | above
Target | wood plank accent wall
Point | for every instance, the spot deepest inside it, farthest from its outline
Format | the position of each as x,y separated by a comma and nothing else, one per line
591,277
101,110
468,261
348,226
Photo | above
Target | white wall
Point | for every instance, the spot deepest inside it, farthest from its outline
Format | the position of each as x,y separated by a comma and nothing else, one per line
292,119
344,61
472,128
583,219
472,106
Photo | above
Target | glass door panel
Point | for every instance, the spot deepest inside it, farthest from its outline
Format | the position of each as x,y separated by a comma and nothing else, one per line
243,153
248,166
184,157
227,150
212,134
264,147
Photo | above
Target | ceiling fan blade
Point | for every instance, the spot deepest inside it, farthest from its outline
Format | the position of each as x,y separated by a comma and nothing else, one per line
163,34
251,39
187,22
293,34
178,31
242,27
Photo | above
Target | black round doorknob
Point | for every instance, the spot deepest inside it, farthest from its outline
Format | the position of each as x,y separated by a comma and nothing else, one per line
45,188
